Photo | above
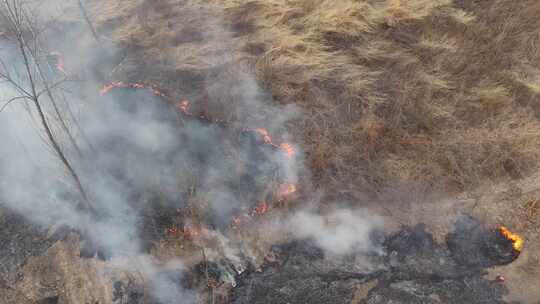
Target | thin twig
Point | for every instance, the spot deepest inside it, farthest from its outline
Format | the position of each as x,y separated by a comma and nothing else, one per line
10,101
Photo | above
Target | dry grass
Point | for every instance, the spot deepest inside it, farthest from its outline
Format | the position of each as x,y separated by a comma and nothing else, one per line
434,92
425,92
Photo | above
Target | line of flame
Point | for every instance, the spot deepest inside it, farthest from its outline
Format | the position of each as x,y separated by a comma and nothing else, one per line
516,240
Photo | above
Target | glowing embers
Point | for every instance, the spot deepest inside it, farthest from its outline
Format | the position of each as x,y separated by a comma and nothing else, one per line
517,241
286,190
283,154
265,136
286,148
240,219
261,209
283,192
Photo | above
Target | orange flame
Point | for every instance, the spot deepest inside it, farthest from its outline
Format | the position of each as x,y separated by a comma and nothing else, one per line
516,240
184,107
106,88
261,209
288,149
286,190
119,84
240,219
265,135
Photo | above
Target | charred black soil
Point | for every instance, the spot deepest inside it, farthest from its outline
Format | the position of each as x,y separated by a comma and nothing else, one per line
411,268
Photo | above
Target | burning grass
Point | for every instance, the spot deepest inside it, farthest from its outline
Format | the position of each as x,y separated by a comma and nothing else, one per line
517,241
393,91
283,190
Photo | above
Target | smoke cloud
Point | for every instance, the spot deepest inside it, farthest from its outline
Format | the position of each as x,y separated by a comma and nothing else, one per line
134,150
339,233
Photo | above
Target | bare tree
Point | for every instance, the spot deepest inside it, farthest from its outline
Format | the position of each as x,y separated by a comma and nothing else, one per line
33,85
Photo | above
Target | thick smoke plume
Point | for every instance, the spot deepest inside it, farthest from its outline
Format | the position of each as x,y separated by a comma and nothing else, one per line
133,151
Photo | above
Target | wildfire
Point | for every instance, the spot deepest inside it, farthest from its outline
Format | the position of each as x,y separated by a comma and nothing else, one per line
242,218
265,136
119,84
106,88
283,191
184,107
261,209
288,149
517,241
286,190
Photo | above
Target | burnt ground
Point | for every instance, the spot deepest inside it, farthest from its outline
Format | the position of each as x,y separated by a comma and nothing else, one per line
298,272
412,268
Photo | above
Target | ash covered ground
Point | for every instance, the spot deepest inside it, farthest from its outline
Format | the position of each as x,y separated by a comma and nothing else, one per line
409,267
412,268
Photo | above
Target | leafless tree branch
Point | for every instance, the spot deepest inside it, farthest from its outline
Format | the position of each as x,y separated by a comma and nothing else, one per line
13,12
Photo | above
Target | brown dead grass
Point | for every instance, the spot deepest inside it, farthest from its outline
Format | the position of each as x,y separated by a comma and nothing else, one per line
410,92
440,93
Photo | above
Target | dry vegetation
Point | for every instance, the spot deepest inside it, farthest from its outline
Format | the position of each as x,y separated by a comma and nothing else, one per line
435,95
438,93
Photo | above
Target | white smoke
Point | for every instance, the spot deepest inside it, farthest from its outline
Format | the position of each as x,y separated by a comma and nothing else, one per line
341,232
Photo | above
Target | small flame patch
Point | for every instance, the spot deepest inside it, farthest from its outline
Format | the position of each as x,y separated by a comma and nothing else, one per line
288,150
285,190
261,209
516,240
265,136
119,84
184,107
